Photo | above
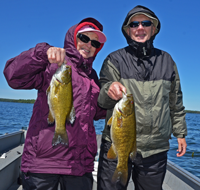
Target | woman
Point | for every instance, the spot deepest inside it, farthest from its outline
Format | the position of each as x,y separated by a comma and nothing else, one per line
44,166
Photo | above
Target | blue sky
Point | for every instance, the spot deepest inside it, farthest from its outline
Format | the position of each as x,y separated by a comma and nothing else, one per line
24,23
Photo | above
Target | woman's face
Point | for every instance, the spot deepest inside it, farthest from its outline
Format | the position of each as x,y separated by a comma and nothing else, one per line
86,49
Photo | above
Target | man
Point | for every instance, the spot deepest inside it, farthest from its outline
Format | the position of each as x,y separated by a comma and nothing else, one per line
151,76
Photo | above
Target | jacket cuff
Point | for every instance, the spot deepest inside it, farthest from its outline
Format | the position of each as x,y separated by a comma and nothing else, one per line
180,136
41,51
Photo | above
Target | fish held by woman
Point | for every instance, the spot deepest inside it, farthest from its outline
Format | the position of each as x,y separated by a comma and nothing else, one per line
60,101
123,136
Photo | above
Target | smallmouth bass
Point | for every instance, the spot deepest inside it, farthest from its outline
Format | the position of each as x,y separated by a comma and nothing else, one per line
60,101
123,135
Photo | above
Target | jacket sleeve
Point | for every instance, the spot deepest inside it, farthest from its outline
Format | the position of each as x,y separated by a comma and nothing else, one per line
26,71
108,75
177,110
100,112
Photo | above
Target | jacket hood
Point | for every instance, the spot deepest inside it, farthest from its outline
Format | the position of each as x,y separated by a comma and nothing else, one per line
70,44
137,46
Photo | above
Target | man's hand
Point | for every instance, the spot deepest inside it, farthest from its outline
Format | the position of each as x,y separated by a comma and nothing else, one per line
181,147
115,91
56,55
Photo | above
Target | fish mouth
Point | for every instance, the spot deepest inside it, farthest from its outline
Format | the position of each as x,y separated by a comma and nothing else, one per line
58,80
120,111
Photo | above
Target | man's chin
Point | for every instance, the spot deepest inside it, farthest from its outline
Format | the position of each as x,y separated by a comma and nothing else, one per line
141,40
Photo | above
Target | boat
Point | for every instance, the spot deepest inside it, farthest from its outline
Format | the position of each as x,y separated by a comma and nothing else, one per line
11,148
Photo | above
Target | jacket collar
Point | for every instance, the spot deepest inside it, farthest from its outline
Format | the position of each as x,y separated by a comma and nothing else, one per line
141,50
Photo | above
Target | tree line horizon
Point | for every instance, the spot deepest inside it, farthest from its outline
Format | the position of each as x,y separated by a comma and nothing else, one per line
32,101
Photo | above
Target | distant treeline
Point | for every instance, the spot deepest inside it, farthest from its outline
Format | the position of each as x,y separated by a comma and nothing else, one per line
30,101
189,111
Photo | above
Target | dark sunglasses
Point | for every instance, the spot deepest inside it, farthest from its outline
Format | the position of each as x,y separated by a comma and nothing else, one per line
144,23
86,39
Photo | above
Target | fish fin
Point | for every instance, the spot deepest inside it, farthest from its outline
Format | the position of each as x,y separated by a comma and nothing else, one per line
50,118
119,121
120,175
60,139
56,88
192,154
111,153
72,115
133,153
48,90
109,121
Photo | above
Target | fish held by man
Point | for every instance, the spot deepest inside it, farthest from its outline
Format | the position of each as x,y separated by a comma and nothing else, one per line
60,101
123,136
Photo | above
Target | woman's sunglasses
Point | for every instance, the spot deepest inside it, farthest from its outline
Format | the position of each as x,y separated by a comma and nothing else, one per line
144,23
86,39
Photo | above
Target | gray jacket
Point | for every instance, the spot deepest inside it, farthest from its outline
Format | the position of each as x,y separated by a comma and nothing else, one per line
154,81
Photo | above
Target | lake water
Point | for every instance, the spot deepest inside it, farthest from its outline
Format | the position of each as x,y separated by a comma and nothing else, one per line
14,116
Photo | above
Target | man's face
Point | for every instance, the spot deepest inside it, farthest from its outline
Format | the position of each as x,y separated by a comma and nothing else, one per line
141,33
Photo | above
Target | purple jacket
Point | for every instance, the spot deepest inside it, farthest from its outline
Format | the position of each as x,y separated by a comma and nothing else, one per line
31,70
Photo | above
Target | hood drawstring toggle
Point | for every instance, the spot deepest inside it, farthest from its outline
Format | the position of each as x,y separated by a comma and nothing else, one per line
144,51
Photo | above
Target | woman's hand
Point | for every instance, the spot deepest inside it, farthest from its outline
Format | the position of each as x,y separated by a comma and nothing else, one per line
56,55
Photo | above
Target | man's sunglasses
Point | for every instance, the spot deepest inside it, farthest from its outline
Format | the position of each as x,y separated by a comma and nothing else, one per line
144,23
86,39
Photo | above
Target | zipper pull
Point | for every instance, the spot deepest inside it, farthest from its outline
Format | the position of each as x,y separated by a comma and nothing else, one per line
144,50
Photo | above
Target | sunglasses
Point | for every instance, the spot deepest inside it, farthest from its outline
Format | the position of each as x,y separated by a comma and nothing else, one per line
86,39
144,23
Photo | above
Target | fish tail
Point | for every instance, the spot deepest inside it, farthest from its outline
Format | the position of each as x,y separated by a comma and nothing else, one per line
50,118
60,139
120,175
